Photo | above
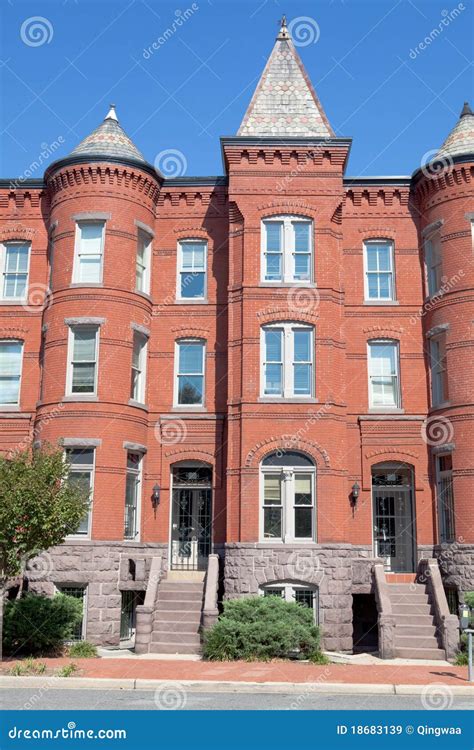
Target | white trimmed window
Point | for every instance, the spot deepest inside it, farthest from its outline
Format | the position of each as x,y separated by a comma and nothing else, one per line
297,593
138,384
14,265
142,281
192,258
384,382
190,357
89,250
82,360
287,361
133,484
433,260
379,270
81,474
287,249
439,374
287,491
11,355
445,497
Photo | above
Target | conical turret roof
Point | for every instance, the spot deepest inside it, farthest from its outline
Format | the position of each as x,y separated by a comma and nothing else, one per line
109,140
284,102
460,141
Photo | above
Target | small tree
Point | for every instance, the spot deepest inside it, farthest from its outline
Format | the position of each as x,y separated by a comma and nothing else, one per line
38,509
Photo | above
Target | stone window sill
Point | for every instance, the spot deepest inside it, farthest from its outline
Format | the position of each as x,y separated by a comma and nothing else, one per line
294,400
197,301
289,284
382,302
78,397
137,404
395,410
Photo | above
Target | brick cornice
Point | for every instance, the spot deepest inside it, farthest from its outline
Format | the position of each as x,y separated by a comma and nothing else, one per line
117,176
17,232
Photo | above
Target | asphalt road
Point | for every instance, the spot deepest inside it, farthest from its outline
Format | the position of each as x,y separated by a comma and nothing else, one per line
148,700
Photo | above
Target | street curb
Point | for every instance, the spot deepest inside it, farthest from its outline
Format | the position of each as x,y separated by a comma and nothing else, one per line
212,686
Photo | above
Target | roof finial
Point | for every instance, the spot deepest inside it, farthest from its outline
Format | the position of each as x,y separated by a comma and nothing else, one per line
466,110
112,115
284,33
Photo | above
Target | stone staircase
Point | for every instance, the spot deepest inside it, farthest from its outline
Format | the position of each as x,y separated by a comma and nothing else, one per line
416,635
177,617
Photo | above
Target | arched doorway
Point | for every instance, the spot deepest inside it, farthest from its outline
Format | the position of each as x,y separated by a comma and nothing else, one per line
191,515
394,523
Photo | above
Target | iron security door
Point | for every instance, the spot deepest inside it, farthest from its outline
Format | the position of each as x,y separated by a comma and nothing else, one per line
191,520
393,529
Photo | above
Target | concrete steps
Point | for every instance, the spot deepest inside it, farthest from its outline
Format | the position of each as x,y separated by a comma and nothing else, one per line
177,621
415,630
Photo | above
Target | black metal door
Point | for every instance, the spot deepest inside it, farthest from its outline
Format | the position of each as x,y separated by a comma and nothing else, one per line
191,519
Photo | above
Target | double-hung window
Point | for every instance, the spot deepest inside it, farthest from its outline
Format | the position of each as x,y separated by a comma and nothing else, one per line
445,496
287,361
142,278
288,507
82,365
379,271
434,270
384,384
81,475
10,372
192,270
439,375
138,382
189,377
14,264
88,259
133,495
287,249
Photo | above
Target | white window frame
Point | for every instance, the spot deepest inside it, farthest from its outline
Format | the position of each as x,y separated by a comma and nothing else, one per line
181,270
147,240
440,476
287,249
140,396
434,271
3,268
76,272
287,476
70,364
288,328
288,589
398,393
438,372
177,343
138,473
76,534
391,245
13,405
59,587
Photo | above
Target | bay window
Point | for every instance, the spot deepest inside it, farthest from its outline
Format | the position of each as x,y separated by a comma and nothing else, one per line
88,255
433,261
81,475
138,381
82,360
143,262
439,375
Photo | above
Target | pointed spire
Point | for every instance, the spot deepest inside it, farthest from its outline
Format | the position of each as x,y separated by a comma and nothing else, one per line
109,140
284,102
460,141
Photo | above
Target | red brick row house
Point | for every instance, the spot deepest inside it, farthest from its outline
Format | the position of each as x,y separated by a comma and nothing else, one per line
273,366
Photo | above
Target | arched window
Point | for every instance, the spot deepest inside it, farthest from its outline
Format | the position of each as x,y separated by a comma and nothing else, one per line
287,249
287,491
287,360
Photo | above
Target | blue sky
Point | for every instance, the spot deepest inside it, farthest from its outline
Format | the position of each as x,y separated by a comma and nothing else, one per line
396,100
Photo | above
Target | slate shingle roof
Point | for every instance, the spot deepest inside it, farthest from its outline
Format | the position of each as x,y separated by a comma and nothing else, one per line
284,102
461,138
109,139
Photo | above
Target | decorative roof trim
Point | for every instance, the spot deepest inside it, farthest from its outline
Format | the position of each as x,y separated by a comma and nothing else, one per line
85,159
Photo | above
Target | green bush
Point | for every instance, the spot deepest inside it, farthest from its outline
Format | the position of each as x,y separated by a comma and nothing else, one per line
263,628
39,624
82,650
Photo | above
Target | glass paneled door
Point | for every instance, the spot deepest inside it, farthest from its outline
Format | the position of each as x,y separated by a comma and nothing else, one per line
191,517
394,527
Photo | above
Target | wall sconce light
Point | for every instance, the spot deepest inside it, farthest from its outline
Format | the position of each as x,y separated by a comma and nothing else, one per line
355,494
155,497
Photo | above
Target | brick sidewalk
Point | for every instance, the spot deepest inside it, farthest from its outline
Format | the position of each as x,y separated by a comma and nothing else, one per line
293,672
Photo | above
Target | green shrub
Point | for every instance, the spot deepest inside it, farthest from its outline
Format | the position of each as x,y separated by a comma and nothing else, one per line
461,659
262,628
82,650
39,624
67,671
469,598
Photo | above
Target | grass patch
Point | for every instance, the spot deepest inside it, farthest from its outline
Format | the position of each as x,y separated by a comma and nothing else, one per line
68,670
82,650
